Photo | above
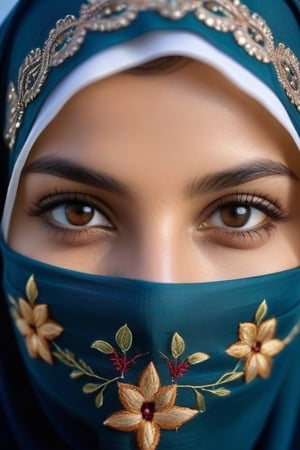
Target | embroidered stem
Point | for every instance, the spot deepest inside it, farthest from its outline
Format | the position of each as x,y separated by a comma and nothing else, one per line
68,358
225,378
293,333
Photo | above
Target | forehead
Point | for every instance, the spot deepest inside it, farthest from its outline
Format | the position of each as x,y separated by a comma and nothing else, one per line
161,115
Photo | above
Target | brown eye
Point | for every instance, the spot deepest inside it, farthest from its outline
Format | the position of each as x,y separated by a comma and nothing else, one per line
235,216
79,214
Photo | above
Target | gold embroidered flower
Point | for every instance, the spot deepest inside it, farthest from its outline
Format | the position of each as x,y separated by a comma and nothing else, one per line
256,346
34,324
148,408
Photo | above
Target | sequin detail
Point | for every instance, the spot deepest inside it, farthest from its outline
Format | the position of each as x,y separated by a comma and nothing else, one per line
249,30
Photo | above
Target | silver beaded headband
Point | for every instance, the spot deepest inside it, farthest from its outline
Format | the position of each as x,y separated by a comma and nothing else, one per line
249,30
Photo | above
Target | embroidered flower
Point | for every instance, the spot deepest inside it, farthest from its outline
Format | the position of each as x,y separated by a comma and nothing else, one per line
34,324
256,346
148,408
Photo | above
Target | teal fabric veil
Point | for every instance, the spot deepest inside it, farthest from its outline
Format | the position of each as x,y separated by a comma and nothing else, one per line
184,330
126,364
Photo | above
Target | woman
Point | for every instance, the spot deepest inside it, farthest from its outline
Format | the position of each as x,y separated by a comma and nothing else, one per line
150,227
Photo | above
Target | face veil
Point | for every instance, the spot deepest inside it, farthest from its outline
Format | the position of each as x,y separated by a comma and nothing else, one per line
110,362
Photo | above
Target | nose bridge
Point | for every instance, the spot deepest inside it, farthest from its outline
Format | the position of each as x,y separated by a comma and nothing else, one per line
157,258
158,252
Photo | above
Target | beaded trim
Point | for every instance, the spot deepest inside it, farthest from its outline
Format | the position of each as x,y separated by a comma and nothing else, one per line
249,30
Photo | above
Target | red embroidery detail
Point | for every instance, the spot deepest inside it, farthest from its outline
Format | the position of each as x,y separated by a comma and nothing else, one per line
256,347
177,369
122,363
148,410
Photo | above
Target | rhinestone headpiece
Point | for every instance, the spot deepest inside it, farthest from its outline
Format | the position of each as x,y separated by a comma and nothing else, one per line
249,30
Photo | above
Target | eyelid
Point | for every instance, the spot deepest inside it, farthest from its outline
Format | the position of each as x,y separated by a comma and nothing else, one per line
56,199
243,238
59,215
270,207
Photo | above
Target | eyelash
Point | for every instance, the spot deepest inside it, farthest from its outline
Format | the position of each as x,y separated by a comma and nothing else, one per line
270,207
52,201
225,235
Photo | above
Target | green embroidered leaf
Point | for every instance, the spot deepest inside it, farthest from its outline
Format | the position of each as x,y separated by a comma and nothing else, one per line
64,357
124,338
88,388
76,374
68,358
103,347
197,358
177,345
99,398
200,401
85,367
221,392
261,312
31,290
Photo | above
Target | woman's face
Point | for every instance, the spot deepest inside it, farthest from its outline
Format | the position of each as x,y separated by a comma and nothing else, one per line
174,176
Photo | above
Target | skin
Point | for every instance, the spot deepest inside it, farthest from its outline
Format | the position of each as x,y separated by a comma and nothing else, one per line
160,136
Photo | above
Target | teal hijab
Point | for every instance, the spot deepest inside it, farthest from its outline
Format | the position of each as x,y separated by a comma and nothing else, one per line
123,364
249,33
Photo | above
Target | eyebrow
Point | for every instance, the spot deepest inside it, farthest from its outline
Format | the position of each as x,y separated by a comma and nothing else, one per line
66,169
239,175
69,170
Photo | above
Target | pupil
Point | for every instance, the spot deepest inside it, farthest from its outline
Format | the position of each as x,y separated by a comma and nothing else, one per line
79,214
235,216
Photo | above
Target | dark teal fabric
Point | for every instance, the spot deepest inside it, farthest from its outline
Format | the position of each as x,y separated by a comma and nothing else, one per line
41,408
206,315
